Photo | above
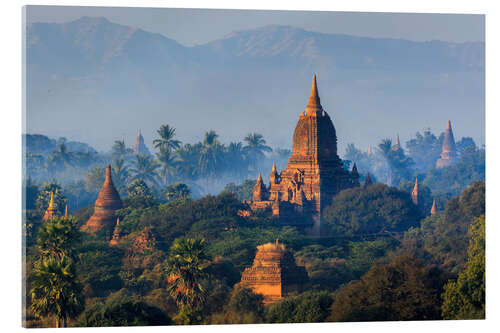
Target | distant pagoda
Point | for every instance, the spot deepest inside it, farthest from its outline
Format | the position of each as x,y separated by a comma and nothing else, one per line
106,204
274,273
397,145
448,151
140,147
51,211
415,193
433,208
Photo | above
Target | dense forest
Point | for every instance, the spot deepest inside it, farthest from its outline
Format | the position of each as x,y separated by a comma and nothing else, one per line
185,245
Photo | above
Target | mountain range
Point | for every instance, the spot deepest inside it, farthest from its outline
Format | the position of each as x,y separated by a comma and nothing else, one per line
97,81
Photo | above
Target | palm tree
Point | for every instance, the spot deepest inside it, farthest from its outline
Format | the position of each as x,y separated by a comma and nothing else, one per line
55,291
189,158
144,167
236,159
185,268
119,150
166,141
58,236
255,148
210,156
168,163
120,174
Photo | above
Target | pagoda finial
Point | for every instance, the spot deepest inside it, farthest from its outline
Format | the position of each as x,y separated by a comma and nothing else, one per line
66,211
414,193
314,104
433,209
259,178
51,202
274,167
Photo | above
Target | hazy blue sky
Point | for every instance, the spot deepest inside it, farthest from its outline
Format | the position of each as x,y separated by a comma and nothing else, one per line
195,26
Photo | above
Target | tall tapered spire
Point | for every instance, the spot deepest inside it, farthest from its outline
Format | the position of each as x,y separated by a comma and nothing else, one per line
66,211
414,193
273,177
51,211
314,104
433,209
397,145
448,150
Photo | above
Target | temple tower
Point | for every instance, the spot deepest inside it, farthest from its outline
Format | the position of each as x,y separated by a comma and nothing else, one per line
433,209
140,147
448,151
274,273
66,211
106,204
314,172
414,193
51,210
397,145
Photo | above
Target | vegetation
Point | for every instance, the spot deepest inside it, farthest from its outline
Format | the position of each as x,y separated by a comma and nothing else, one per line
465,297
182,250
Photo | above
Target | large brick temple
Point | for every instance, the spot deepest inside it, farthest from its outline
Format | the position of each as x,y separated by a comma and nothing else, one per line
314,173
274,273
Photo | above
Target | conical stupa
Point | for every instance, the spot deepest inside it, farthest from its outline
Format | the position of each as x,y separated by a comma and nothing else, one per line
116,234
414,193
433,209
448,150
51,210
106,204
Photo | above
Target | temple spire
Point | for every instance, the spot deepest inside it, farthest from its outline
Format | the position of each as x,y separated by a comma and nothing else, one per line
51,211
273,177
314,104
414,193
368,180
448,150
66,211
433,209
397,145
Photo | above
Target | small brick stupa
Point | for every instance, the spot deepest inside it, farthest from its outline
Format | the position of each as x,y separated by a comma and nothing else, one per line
448,150
115,240
274,273
51,210
106,204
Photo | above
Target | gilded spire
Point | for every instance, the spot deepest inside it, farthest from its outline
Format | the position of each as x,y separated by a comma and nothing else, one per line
314,104
259,179
51,211
414,193
274,167
66,211
433,209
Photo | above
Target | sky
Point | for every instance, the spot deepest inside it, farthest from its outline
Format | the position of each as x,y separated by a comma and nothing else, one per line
198,26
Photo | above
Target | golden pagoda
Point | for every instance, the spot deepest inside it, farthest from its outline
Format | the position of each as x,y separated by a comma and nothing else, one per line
51,210
414,193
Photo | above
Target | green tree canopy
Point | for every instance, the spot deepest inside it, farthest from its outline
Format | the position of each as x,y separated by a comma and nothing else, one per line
58,236
126,312
405,289
374,209
465,297
55,291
